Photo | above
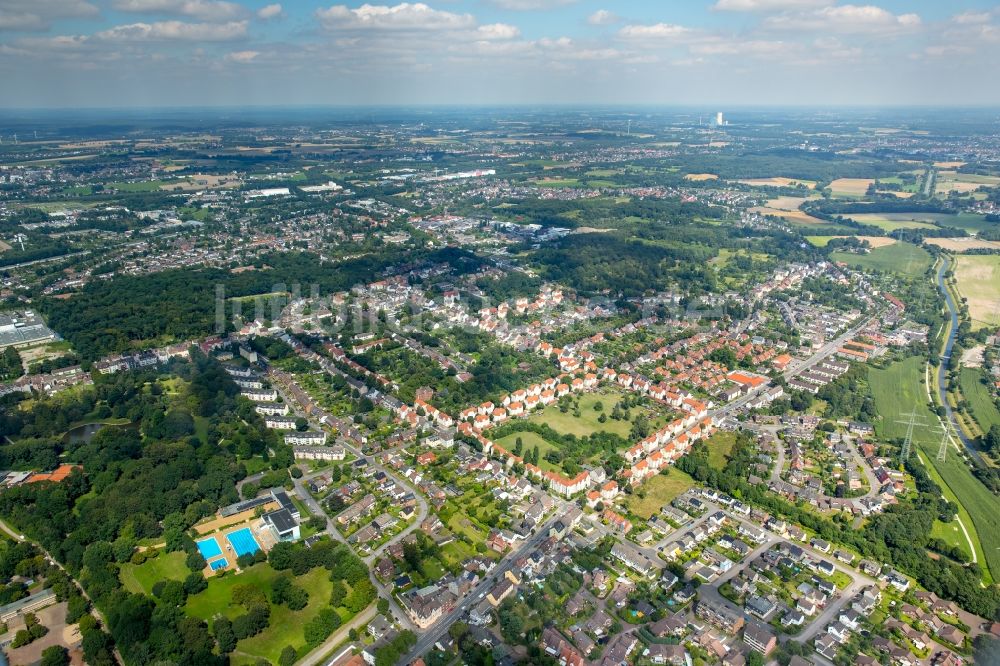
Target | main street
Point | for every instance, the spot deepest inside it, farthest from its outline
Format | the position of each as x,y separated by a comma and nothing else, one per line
434,633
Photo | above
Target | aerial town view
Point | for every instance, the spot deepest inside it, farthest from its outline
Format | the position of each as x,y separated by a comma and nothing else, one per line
493,332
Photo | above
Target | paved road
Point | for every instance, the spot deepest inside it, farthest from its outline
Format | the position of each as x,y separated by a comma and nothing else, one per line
828,348
434,633
53,561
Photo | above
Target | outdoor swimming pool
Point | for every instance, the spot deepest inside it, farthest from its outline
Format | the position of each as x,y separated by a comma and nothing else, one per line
209,548
218,564
243,542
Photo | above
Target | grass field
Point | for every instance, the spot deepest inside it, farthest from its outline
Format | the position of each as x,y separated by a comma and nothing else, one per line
978,279
902,258
889,222
951,533
657,491
140,578
587,423
897,390
286,626
530,440
720,445
980,398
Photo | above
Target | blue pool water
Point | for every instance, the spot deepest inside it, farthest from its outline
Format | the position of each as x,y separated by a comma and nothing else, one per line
218,564
209,548
243,542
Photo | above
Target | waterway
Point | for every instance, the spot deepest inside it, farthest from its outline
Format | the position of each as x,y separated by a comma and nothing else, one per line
945,356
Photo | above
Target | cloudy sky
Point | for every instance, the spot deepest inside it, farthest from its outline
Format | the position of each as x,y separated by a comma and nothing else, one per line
78,53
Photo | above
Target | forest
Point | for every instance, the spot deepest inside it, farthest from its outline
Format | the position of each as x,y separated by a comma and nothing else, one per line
152,480
136,312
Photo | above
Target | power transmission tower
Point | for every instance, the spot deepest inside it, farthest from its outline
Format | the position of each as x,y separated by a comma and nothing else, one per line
911,423
946,429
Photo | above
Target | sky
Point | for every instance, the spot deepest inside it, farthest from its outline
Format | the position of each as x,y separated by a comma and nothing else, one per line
155,53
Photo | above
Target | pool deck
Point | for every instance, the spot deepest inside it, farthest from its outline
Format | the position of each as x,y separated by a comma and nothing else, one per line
261,534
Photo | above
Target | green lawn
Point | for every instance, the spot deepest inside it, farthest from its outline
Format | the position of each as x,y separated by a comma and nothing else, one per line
657,491
980,397
951,534
900,257
897,390
140,578
892,222
286,626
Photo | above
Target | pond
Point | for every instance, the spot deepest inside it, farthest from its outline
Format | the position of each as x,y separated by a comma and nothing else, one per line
82,434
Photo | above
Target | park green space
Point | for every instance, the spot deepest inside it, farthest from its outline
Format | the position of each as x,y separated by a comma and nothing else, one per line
977,277
588,422
139,578
979,395
897,390
900,257
530,440
286,626
658,491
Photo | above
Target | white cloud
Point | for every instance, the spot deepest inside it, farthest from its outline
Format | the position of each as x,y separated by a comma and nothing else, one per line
767,5
242,57
270,12
738,47
655,32
204,10
36,15
967,18
603,17
531,5
845,19
175,31
404,16
497,31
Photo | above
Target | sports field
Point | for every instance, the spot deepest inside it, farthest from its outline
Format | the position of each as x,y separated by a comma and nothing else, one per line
978,279
897,390
657,491
902,258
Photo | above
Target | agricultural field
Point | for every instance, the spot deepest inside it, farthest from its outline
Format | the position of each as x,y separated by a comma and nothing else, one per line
778,181
889,222
874,241
658,491
902,258
793,216
697,177
850,187
963,244
979,395
897,390
978,281
953,181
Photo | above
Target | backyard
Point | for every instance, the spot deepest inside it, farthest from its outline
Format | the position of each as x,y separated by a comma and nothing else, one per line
658,491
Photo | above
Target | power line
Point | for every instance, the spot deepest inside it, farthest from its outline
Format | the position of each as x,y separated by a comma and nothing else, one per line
911,423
